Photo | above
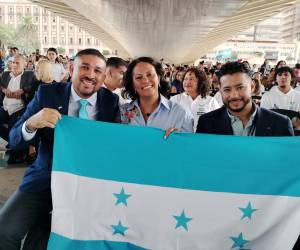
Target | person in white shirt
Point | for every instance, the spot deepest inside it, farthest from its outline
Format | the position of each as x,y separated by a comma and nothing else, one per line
58,69
282,96
219,99
115,70
195,98
16,87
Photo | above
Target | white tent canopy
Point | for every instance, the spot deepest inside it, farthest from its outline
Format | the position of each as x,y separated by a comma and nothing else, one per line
177,30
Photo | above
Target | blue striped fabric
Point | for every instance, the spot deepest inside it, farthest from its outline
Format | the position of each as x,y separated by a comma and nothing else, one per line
248,165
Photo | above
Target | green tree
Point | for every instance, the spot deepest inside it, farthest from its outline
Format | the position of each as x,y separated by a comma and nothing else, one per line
61,50
7,34
25,37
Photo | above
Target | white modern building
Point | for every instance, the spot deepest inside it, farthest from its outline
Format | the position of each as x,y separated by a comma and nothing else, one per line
53,31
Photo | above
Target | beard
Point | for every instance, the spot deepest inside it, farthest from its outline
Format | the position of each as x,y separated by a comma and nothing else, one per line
245,103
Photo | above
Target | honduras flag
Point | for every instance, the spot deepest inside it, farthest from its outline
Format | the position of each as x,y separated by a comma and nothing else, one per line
124,187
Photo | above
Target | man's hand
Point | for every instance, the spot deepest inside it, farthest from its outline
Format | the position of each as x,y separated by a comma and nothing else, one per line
17,94
296,123
8,93
44,118
169,132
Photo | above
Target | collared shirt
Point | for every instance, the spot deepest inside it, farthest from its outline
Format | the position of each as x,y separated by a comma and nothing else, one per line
196,107
12,105
238,127
74,105
73,110
167,115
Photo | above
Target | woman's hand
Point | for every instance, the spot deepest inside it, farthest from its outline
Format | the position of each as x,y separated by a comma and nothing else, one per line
170,131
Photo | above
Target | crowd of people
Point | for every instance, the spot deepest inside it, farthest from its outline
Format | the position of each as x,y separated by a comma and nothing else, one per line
230,98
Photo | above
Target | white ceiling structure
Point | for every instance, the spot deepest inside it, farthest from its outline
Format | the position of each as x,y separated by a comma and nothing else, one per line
177,30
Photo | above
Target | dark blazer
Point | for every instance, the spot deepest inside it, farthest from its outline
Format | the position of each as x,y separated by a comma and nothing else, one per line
27,81
268,123
56,96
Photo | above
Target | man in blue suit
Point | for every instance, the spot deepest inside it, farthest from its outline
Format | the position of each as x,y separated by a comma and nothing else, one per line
85,98
239,115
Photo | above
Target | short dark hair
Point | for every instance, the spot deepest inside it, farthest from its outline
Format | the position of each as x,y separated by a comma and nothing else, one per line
116,62
230,68
129,91
282,70
92,52
53,50
202,81
297,66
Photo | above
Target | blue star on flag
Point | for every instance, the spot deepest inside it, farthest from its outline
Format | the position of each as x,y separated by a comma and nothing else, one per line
247,211
122,197
119,229
182,220
239,241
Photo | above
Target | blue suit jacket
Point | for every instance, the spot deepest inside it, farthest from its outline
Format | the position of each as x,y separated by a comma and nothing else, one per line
267,123
56,96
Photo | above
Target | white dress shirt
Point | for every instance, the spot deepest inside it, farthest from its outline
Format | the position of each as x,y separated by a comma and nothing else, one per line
73,110
12,105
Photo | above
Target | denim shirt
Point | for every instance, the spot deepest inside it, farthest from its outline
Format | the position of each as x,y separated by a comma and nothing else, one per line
166,115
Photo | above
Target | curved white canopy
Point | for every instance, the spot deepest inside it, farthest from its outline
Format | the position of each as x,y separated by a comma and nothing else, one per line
177,30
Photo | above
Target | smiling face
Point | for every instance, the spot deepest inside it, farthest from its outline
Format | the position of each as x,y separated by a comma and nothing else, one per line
145,80
236,91
88,74
190,83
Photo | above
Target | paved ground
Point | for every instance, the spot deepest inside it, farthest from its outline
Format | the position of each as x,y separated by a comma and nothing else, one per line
10,176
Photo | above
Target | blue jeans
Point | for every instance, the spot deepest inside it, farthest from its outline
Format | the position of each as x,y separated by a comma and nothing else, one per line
25,213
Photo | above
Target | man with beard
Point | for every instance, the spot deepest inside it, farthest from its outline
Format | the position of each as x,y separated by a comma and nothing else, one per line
239,115
29,207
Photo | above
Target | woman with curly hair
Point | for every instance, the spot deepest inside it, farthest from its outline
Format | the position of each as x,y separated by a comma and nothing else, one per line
195,98
144,85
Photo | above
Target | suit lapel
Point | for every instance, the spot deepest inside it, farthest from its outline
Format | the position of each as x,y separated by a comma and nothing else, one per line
98,103
7,79
261,127
22,80
224,123
63,108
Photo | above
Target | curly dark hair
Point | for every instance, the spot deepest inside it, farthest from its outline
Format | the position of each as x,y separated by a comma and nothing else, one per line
230,68
202,81
129,91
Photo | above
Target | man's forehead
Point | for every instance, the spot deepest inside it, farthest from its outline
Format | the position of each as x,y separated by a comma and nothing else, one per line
91,60
284,73
236,78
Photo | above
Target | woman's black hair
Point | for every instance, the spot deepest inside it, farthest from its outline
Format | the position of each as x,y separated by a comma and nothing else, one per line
129,91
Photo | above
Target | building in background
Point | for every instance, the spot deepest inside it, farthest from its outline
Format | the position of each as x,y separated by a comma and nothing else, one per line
266,31
53,31
290,29
276,38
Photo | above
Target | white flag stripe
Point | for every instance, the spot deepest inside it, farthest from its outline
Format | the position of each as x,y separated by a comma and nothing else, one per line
150,213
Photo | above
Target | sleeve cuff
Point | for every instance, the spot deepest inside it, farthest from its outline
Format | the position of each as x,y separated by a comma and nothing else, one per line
27,136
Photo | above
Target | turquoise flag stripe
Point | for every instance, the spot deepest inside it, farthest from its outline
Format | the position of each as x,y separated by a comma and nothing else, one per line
249,165
57,241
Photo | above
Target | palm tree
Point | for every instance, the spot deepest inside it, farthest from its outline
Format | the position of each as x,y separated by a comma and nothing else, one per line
27,35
